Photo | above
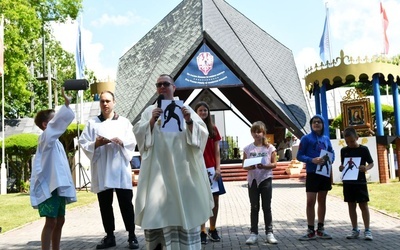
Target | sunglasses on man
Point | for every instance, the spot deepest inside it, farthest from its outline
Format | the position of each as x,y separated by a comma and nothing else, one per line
165,84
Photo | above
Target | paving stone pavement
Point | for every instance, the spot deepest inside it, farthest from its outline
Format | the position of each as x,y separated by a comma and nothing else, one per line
83,228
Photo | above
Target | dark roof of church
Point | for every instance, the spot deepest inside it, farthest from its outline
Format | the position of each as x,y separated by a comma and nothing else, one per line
272,91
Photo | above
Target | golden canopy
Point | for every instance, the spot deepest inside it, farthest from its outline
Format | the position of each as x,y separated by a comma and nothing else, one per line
345,70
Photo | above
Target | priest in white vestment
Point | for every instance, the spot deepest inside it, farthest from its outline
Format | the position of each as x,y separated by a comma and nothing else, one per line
173,194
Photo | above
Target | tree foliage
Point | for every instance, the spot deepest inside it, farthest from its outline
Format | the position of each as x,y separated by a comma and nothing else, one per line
27,25
20,148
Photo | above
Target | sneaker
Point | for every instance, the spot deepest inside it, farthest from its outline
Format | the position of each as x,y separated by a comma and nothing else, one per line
354,234
321,234
213,235
106,242
203,238
309,236
368,235
271,238
133,242
252,239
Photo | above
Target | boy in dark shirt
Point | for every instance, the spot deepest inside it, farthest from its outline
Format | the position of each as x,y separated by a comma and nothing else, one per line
356,191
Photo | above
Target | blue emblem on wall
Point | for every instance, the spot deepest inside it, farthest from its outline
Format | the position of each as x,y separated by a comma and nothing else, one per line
206,70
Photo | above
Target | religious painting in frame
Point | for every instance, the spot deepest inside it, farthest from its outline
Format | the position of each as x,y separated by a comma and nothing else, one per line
356,113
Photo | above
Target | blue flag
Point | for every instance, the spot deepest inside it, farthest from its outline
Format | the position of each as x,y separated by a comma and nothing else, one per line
324,49
79,58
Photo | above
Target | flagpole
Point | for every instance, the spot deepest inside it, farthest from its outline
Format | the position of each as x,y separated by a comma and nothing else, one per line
330,59
329,29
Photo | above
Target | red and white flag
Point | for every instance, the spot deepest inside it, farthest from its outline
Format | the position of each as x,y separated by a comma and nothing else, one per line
385,22
2,46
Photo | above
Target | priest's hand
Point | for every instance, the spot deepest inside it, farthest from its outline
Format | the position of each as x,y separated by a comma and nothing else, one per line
118,141
186,114
100,141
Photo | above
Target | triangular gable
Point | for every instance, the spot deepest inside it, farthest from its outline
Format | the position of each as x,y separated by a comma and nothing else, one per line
264,66
215,103
206,70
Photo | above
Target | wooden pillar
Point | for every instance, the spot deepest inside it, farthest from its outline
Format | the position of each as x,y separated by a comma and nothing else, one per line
383,163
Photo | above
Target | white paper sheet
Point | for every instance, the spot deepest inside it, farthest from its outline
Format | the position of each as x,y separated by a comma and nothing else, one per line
110,129
351,168
253,161
213,183
172,118
326,168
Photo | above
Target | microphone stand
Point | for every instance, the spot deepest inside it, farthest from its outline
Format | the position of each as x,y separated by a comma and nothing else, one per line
82,172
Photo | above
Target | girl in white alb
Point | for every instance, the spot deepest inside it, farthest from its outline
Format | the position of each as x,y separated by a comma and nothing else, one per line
259,178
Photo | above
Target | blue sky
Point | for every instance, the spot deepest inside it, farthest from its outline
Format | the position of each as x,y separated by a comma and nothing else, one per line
111,27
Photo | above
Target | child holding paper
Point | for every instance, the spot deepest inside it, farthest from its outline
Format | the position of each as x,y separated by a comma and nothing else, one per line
259,179
311,147
212,160
356,191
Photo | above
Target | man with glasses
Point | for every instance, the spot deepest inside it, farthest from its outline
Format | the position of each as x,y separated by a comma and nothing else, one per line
173,194
317,186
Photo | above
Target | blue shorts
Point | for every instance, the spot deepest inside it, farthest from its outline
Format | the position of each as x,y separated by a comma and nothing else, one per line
53,207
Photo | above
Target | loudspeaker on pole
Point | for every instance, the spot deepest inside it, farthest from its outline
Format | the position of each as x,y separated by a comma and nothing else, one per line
76,84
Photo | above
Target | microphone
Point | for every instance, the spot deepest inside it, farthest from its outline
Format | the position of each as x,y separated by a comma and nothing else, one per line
159,99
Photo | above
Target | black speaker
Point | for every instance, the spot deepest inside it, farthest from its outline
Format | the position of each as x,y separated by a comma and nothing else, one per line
76,84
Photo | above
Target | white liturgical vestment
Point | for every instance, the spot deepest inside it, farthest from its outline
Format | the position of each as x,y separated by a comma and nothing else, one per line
109,164
50,170
173,187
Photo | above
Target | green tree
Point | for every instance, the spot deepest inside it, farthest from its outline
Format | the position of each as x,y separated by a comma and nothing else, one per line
19,150
26,22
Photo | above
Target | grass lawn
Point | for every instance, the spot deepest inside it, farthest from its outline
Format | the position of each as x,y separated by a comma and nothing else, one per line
383,197
16,209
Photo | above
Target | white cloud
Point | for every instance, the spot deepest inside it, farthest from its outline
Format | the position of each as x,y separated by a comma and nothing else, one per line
67,33
356,27
305,59
118,20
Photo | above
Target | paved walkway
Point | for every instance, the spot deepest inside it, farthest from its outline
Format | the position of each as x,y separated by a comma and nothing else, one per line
83,228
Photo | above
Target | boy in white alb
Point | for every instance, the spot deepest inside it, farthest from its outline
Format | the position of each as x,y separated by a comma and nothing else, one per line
51,181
